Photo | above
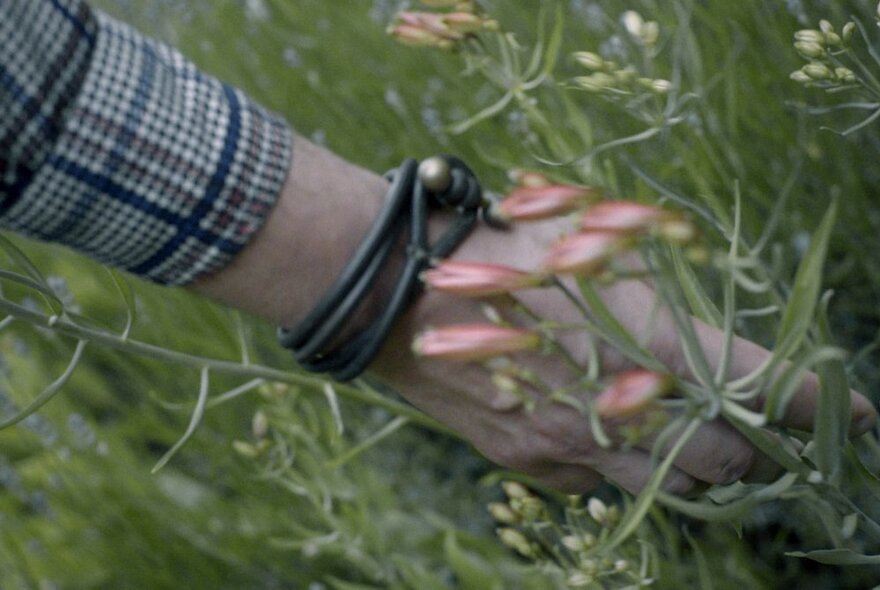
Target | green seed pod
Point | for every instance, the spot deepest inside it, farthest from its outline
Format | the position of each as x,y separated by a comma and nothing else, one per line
809,49
818,71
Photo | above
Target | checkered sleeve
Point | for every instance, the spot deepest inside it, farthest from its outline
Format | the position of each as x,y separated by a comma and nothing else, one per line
117,146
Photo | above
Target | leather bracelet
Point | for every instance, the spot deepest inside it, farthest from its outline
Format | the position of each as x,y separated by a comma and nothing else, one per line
440,182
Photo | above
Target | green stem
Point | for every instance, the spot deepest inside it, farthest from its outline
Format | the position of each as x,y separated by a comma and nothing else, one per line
66,327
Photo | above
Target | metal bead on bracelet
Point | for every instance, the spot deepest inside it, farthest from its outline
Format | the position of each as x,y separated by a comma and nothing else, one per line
440,182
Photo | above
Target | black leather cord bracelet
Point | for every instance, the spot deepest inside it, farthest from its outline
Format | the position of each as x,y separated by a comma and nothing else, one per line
441,182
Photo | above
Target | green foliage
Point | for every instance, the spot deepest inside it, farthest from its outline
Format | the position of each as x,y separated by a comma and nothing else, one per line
335,491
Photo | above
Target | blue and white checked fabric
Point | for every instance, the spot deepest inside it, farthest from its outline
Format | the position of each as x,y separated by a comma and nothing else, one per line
117,146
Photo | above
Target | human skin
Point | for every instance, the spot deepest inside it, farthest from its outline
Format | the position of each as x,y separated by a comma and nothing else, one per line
326,207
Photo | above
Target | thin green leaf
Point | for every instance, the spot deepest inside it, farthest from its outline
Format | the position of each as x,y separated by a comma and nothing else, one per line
800,310
789,382
699,302
766,443
837,557
834,410
712,512
48,393
21,259
612,331
703,570
554,43
472,572
43,289
369,442
868,477
197,415
634,515
127,294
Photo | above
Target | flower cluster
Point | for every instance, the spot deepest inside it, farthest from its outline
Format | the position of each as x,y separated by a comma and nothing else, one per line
575,547
605,230
444,30
821,47
608,77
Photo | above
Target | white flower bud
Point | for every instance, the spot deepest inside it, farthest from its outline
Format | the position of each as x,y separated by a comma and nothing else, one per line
809,49
650,32
825,26
818,71
579,580
849,30
810,36
633,23
597,509
800,76
590,60
833,39
661,86
845,75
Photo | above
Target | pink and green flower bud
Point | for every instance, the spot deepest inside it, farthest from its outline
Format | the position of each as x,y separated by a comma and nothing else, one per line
477,279
474,342
415,36
463,22
625,216
528,178
542,202
631,393
586,253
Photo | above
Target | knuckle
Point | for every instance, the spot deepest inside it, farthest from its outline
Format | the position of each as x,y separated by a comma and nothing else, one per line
735,466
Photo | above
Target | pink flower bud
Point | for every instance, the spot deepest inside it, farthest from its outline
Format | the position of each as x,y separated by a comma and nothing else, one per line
632,392
625,216
542,202
528,178
586,253
429,22
473,342
415,36
463,22
477,279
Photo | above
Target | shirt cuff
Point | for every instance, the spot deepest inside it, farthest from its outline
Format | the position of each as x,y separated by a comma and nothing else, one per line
159,169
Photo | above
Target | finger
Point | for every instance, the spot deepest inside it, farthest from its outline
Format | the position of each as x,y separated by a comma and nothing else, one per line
718,454
632,469
661,334
568,478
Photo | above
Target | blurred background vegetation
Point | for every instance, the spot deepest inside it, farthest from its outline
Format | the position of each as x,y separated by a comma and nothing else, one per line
310,508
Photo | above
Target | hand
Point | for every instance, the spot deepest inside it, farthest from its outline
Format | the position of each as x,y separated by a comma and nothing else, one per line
553,443
326,206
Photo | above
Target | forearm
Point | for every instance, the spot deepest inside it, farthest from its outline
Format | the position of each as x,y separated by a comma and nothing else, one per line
325,208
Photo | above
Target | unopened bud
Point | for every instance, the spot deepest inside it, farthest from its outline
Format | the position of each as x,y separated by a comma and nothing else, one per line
573,543
597,509
833,39
440,3
809,49
849,30
621,565
531,508
825,26
597,82
514,489
503,513
515,540
580,580
463,22
818,71
661,86
260,425
633,23
810,36
590,60
800,76
845,75
650,33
